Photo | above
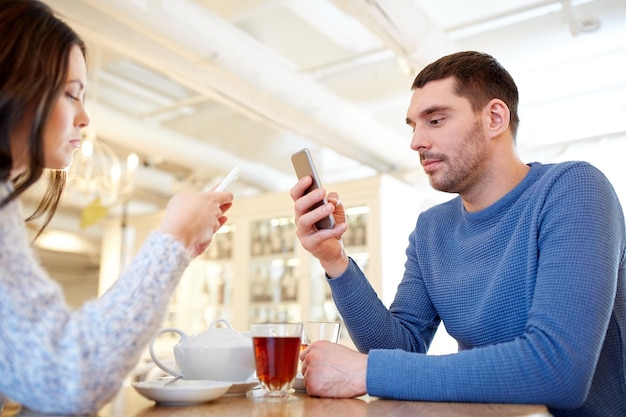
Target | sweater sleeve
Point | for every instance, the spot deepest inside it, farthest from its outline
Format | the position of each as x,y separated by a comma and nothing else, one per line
369,323
56,360
580,259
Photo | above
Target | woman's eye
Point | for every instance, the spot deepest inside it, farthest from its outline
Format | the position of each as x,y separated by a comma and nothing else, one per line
72,97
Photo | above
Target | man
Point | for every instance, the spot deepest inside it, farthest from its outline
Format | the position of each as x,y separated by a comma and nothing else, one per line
525,266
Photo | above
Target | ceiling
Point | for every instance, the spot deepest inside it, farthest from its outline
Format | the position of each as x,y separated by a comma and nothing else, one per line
195,87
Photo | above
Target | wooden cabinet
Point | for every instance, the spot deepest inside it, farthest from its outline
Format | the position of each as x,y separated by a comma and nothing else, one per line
256,270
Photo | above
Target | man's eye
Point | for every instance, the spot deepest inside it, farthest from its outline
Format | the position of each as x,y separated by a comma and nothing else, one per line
435,122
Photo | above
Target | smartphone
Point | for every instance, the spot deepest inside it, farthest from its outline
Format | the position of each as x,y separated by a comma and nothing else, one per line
229,179
304,166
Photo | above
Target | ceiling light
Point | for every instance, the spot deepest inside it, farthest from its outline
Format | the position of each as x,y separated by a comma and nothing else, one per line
61,241
97,173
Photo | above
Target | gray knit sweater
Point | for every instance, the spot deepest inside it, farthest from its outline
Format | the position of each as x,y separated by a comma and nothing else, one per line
56,360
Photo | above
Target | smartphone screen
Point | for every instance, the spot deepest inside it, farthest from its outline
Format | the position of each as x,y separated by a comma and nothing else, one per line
304,166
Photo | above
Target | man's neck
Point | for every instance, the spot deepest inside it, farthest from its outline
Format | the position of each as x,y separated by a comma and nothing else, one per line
496,184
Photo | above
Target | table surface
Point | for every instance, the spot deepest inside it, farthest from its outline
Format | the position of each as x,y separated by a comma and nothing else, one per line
128,403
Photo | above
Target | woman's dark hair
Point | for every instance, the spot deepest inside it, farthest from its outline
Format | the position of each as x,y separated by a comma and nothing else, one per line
479,78
34,59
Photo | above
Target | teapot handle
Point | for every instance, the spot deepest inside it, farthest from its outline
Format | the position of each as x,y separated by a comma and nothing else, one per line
153,355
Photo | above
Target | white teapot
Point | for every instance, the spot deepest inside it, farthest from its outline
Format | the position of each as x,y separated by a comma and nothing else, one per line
219,354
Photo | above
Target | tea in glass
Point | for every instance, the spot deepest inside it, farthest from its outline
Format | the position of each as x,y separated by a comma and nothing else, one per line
276,352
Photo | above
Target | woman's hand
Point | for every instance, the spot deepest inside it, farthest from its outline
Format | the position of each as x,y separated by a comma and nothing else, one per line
193,218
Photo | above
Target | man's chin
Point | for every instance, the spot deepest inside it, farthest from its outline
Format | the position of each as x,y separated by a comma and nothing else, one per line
439,186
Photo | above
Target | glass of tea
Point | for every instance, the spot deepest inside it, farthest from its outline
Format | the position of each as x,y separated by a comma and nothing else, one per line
276,350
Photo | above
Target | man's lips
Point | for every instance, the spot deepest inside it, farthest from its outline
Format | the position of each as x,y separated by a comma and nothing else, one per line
430,165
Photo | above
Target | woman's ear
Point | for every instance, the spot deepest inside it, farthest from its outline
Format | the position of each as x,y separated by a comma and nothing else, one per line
498,116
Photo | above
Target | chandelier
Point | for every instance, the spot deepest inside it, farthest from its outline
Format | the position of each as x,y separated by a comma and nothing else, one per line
97,174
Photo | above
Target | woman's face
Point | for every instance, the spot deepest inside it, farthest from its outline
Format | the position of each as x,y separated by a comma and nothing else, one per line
61,135
62,132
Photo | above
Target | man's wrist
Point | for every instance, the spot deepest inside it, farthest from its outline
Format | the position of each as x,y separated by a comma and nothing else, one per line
336,268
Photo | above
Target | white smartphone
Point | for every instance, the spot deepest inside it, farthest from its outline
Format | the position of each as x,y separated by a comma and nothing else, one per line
304,166
229,179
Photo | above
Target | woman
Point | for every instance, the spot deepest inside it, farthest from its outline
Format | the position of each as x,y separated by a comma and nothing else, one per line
52,359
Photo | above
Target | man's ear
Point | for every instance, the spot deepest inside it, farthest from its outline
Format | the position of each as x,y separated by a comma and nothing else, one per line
498,116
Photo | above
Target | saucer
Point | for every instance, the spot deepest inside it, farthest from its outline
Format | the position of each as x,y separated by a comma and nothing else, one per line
182,392
240,388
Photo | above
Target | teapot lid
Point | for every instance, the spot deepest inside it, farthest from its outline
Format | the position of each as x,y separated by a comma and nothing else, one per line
219,337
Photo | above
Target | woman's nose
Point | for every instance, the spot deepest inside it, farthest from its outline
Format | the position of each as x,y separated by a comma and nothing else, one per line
82,118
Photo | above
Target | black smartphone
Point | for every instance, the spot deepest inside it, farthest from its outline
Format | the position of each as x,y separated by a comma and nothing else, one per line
304,166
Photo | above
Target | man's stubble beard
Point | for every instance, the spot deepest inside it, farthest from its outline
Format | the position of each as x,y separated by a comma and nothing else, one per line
466,167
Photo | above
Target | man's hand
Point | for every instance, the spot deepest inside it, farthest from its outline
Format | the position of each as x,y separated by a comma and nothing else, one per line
333,370
324,244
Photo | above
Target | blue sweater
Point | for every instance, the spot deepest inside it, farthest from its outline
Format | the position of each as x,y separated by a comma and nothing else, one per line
532,288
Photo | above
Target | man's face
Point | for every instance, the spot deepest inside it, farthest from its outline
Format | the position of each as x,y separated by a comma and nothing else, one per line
449,137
